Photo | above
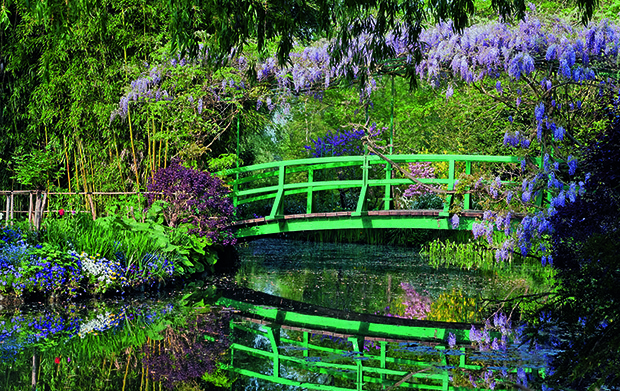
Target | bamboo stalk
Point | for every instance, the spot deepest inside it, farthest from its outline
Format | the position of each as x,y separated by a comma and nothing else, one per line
92,171
110,367
127,369
118,160
77,170
87,200
90,197
154,150
148,145
166,155
159,158
48,181
142,377
133,149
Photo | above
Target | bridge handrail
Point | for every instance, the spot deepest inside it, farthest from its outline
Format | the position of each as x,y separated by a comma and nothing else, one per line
280,169
409,158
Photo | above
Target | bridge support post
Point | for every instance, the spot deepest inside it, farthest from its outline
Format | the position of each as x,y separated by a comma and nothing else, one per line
310,195
388,188
448,202
383,357
467,197
361,201
277,210
274,339
358,346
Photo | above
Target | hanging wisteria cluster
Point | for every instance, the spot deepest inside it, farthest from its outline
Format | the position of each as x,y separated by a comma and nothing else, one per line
419,170
310,72
550,77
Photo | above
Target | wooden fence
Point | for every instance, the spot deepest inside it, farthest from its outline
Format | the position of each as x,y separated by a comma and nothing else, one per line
38,203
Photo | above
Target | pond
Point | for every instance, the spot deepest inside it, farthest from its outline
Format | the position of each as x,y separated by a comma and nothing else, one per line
295,315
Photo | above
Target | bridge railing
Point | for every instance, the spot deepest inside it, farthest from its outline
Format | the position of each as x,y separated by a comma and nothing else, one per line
277,180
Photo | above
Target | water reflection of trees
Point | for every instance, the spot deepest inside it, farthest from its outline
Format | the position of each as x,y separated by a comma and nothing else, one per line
188,352
154,346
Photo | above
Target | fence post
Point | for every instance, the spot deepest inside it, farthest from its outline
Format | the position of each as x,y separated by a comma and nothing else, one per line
39,208
92,206
388,187
12,207
8,204
30,211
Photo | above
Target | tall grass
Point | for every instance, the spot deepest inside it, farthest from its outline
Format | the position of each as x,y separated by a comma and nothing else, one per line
81,234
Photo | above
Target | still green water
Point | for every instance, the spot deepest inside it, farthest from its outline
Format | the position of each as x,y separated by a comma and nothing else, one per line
182,339
349,277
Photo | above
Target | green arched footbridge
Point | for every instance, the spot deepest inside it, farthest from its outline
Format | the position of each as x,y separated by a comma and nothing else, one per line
291,191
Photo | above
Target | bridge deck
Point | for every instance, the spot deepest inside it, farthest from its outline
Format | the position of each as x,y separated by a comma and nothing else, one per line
380,219
399,213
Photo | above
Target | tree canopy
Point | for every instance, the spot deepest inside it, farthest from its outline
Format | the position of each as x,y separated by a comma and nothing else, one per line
228,26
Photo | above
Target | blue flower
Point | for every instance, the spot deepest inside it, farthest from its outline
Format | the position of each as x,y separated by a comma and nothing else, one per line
572,165
455,221
539,111
451,340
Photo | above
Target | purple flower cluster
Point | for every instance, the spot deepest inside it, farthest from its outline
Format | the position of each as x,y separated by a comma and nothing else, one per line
417,306
502,222
454,221
483,53
516,140
488,50
420,170
338,143
48,275
482,338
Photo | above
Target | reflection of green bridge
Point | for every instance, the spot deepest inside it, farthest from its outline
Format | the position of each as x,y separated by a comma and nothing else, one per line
353,351
370,176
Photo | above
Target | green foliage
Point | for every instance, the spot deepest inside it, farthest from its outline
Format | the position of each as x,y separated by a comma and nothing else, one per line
137,239
53,251
220,378
454,306
35,169
223,162
423,120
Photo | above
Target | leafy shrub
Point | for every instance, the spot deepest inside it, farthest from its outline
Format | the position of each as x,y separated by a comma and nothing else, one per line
194,199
